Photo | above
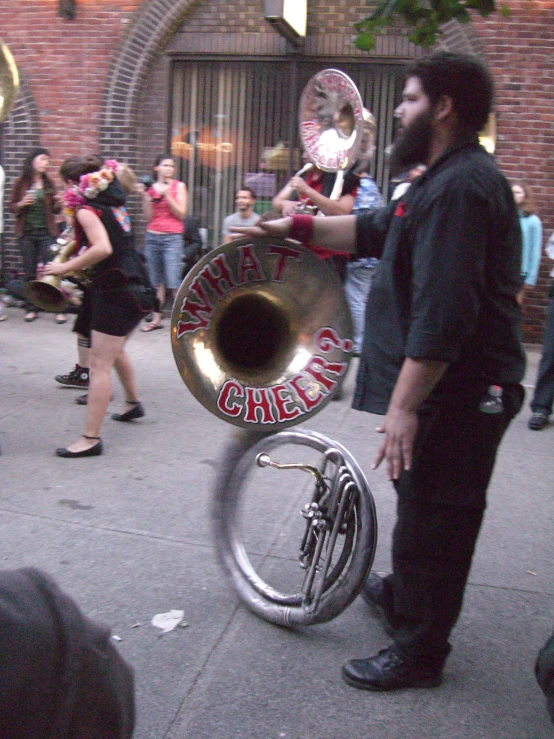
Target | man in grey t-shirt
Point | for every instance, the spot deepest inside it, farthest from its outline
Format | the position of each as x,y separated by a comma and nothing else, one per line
244,215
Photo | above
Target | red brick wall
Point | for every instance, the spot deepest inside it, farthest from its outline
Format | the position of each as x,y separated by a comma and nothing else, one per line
65,64
519,50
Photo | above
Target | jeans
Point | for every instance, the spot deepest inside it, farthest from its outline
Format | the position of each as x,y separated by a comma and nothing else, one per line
164,255
357,286
544,388
34,249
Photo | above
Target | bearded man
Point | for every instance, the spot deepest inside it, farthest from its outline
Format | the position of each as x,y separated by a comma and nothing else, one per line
441,331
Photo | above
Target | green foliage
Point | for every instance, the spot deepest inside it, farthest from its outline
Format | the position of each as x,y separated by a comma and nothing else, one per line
423,17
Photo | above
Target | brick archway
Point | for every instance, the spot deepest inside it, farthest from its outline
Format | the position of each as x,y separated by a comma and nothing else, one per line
149,33
152,28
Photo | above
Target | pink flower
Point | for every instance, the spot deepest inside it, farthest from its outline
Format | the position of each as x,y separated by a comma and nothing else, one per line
111,164
73,198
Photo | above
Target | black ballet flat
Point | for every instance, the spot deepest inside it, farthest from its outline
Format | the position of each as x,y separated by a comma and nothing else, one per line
93,451
137,411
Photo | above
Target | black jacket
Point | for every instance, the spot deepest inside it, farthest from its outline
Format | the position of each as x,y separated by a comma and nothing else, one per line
61,677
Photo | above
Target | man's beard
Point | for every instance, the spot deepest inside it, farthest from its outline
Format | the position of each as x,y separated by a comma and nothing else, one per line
413,145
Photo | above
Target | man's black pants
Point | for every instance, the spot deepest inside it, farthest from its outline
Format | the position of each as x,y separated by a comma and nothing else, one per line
441,502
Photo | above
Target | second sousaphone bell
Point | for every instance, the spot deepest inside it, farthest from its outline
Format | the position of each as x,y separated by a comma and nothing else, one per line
45,292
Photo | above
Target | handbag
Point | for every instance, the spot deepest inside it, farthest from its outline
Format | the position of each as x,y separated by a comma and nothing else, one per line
144,297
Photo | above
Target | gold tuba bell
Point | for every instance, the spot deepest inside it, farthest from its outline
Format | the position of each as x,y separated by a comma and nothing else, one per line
45,292
261,333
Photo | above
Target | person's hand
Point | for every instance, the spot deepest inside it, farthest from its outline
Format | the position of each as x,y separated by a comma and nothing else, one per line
55,268
161,188
400,428
27,199
280,228
140,187
300,185
288,208
520,297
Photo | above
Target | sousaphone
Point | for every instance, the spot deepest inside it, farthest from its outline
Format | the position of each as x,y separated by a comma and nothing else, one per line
261,335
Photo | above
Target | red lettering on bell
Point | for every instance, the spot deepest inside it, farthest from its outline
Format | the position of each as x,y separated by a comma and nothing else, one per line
249,263
283,253
199,310
257,399
317,366
222,281
281,399
227,400
302,386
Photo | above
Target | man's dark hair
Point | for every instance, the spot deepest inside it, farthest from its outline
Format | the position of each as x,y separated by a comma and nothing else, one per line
462,77
246,189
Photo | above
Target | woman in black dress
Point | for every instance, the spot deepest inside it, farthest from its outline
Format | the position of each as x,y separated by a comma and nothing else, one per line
120,293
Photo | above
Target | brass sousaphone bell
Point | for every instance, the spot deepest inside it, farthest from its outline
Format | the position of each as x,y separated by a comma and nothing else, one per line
261,330
46,292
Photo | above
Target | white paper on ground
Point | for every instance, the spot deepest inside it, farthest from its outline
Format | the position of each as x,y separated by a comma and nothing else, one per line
167,621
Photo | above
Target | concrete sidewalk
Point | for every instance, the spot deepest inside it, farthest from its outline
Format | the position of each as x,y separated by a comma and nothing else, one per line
128,535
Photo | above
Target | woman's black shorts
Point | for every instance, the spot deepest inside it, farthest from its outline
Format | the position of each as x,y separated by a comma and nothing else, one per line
113,312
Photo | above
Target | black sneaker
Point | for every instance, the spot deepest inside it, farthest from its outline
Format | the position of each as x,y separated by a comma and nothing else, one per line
372,593
388,670
78,377
538,421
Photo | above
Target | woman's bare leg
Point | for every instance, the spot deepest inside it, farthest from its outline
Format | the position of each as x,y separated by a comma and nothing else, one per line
103,353
126,373
83,352
157,317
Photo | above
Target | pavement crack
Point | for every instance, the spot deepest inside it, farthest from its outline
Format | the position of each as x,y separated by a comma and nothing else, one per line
200,671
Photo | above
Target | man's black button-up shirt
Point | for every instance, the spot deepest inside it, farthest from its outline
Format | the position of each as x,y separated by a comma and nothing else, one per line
445,289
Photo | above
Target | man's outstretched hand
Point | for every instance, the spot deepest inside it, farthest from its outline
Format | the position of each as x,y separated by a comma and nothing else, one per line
279,228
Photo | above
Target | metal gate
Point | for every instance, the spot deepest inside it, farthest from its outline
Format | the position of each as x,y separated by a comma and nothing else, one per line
234,123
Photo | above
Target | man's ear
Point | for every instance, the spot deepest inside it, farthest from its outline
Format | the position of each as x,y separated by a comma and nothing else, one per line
443,108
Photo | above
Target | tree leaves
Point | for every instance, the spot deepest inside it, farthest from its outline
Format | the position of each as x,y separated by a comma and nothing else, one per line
424,18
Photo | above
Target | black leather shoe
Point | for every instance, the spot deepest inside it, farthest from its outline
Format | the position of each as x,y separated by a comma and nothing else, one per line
538,421
372,593
93,451
137,411
389,671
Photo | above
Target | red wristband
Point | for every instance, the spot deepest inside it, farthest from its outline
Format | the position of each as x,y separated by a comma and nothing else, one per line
302,228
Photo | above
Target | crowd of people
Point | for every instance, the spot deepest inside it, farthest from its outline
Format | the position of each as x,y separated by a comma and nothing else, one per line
172,244
435,281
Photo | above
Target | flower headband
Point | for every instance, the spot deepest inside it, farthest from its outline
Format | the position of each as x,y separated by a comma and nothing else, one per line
90,185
